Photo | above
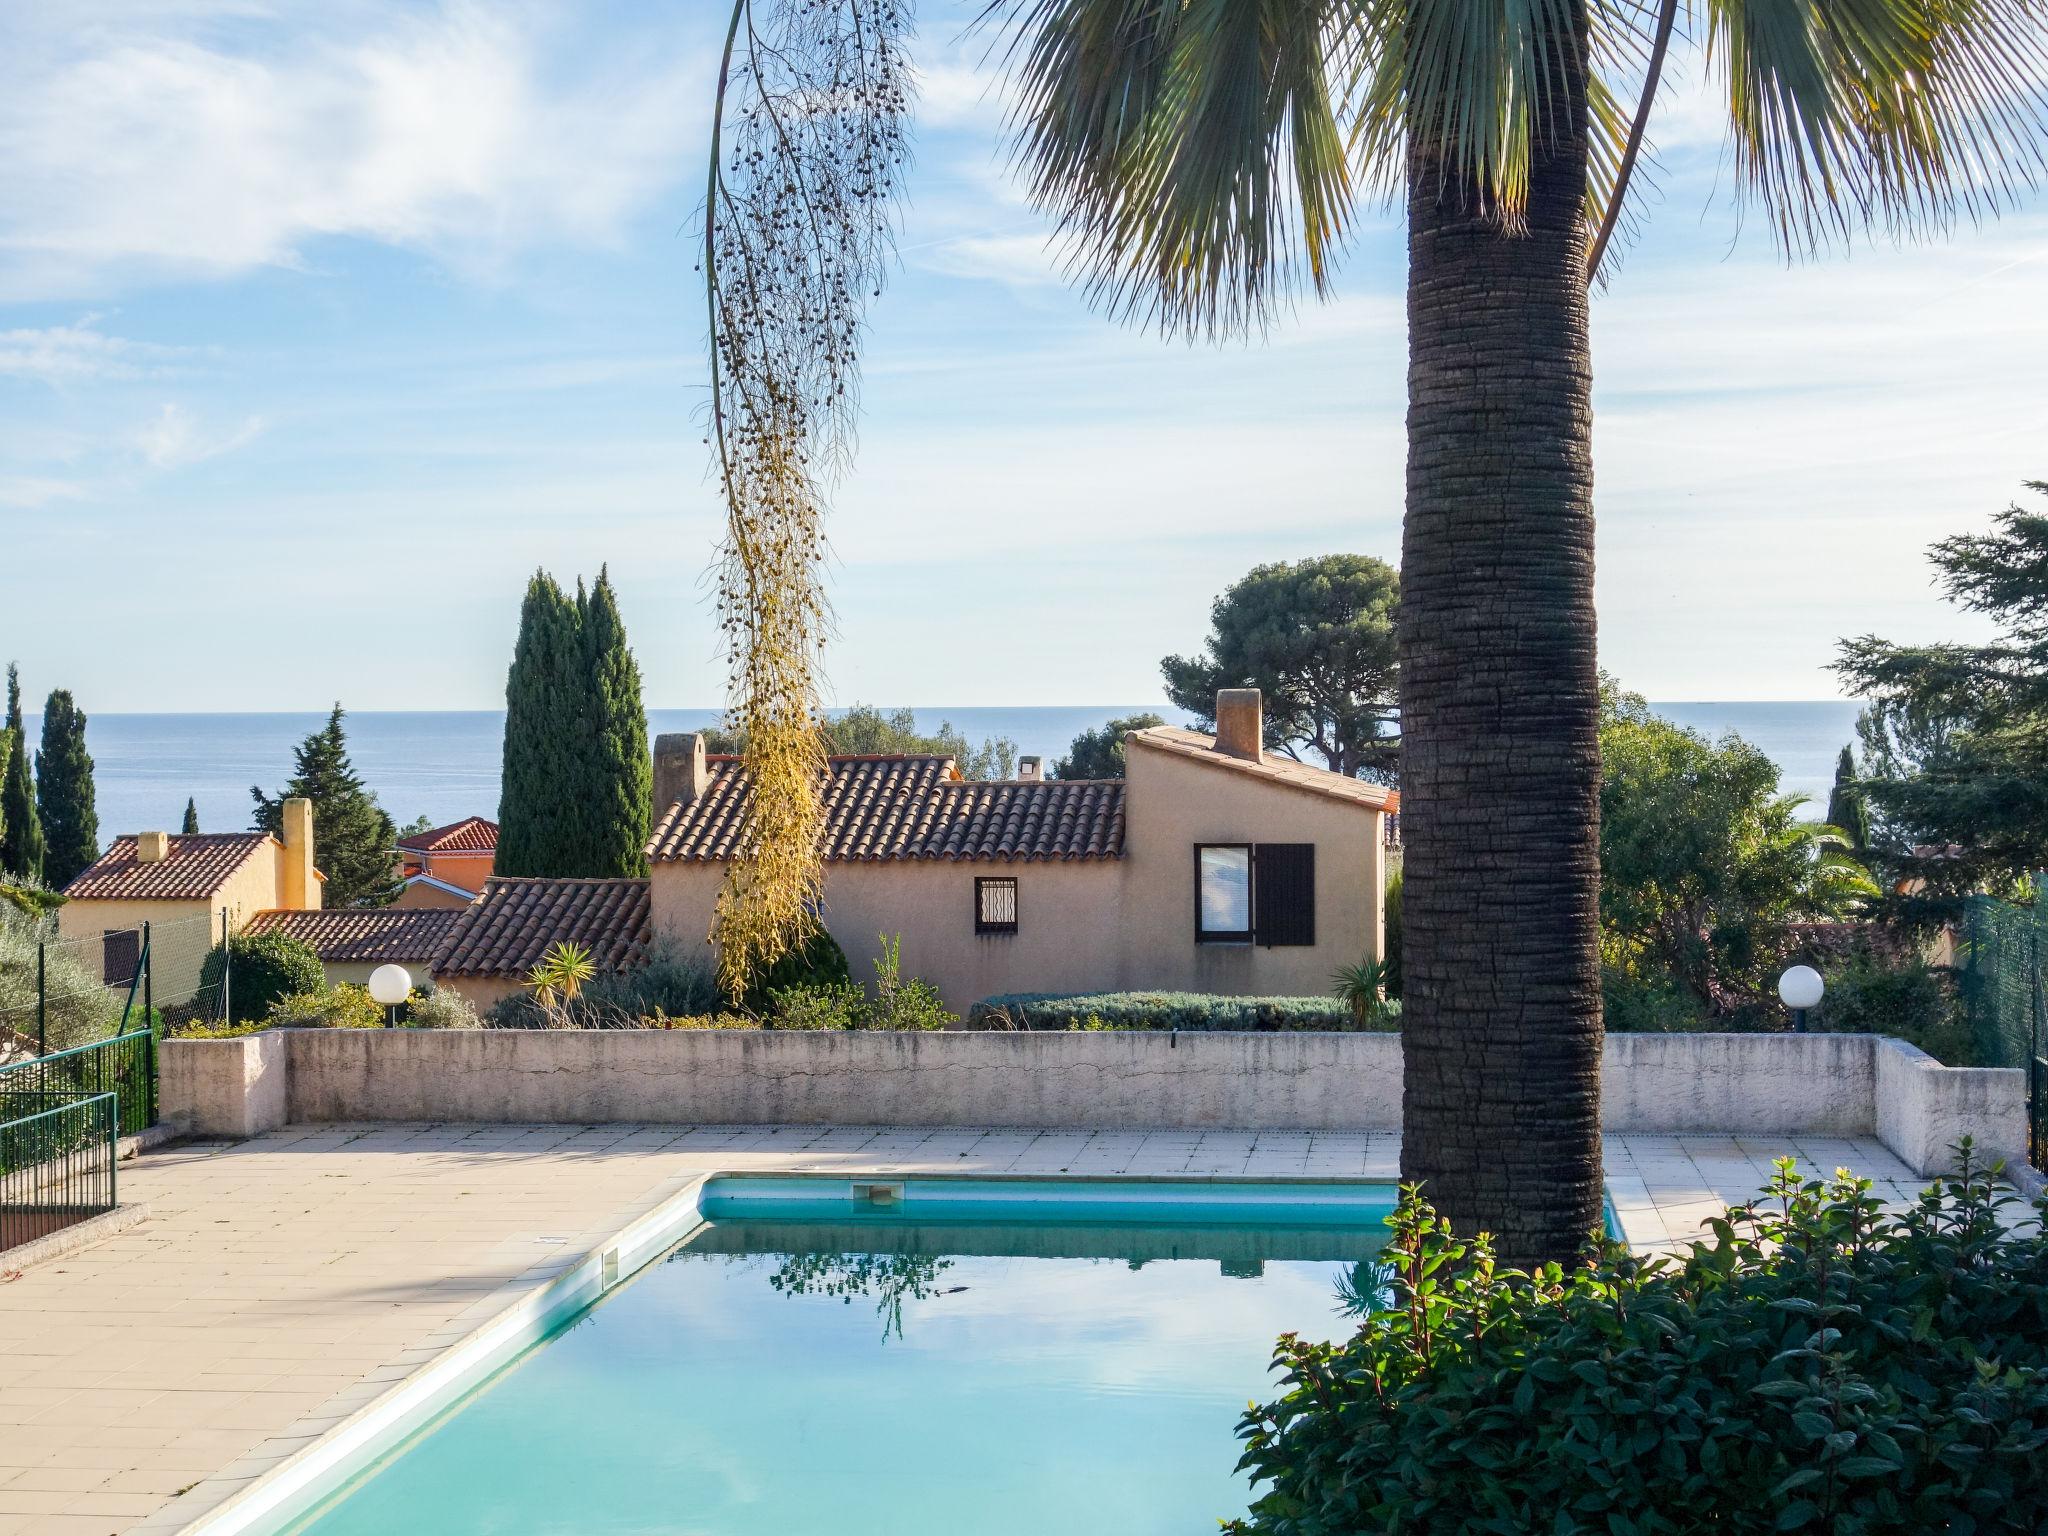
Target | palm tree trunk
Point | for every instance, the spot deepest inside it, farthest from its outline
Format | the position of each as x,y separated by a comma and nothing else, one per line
1501,1027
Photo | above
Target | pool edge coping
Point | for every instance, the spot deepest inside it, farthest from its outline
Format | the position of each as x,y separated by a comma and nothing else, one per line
380,1411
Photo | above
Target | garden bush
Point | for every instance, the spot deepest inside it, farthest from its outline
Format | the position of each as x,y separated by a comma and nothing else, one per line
819,963
341,1006
1170,1010
80,1009
266,969
1869,994
1816,1365
442,1008
912,1004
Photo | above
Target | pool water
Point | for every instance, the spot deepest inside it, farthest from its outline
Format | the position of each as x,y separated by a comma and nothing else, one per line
933,1366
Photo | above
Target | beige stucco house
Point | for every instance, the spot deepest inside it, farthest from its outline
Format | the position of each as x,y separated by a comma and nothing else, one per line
1212,866
181,885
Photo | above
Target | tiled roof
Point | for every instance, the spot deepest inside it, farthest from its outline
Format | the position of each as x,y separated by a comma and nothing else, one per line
1270,766
912,808
194,868
364,934
507,930
472,834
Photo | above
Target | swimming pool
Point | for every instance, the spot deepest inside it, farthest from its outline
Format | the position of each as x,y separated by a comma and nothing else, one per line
902,1356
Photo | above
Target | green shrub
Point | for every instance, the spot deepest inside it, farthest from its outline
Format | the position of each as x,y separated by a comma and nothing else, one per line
80,1009
1817,1365
442,1008
214,1029
820,962
839,1005
671,983
1169,1010
266,969
1649,1005
1910,999
342,1006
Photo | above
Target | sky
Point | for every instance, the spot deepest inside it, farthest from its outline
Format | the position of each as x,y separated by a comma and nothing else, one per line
323,325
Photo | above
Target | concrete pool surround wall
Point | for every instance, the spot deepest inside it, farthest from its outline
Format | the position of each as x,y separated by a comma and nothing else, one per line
1743,1085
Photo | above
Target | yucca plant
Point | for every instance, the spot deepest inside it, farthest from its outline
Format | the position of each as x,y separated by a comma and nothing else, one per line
561,973
1362,988
1205,159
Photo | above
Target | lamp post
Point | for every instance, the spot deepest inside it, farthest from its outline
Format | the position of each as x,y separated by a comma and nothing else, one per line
390,985
1801,989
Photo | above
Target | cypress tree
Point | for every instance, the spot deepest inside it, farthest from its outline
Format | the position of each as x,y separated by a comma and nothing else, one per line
542,775
1846,809
64,795
354,841
21,842
191,826
618,803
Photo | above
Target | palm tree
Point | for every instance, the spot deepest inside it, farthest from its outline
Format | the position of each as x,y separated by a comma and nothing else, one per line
1204,157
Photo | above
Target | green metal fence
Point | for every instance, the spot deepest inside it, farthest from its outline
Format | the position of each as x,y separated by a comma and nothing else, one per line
123,1067
57,1160
2001,948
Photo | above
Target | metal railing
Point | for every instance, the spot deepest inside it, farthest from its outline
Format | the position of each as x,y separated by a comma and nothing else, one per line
57,1160
123,1067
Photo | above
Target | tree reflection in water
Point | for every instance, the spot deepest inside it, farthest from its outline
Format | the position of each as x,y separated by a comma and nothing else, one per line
1365,1288
891,1278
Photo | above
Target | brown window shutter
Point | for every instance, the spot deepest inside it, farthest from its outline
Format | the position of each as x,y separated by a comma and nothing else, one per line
1284,894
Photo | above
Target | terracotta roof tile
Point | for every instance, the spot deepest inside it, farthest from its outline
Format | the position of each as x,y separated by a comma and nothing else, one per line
912,807
1275,769
364,934
193,869
515,922
472,834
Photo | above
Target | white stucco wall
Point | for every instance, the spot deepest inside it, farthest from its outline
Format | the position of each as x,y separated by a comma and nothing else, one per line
1831,1085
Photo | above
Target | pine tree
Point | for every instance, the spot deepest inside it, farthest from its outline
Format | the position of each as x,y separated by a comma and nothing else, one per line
64,794
354,841
1846,809
21,843
191,826
540,793
618,801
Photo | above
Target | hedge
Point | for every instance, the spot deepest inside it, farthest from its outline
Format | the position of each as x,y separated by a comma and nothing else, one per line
1168,1010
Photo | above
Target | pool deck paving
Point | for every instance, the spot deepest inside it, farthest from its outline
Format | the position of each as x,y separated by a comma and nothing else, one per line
280,1284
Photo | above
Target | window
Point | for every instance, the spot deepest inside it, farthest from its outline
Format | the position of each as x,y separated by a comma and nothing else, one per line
120,955
1223,893
995,904
1255,893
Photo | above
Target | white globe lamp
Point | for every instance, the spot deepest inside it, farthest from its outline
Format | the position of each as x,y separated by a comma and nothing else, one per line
390,985
1800,988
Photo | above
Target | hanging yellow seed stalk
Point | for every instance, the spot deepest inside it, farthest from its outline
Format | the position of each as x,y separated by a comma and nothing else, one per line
807,149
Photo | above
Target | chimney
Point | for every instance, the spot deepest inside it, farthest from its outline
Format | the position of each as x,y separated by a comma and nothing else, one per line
1030,771
301,890
152,847
679,770
1240,723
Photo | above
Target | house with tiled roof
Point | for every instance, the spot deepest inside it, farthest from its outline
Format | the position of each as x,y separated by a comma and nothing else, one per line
353,941
510,928
184,886
1213,865
446,867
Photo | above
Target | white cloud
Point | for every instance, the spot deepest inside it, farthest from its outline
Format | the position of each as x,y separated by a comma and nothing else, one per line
142,148
81,352
27,492
174,438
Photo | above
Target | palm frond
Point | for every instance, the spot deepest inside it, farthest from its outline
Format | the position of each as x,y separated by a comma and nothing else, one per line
1189,148
1897,116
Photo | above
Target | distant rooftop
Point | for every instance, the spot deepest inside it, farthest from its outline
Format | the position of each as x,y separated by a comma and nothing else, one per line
472,834
193,867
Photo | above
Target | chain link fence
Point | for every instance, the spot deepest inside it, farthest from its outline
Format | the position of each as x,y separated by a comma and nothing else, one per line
1999,956
59,991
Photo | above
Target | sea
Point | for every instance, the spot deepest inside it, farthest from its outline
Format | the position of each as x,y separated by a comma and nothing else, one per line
444,764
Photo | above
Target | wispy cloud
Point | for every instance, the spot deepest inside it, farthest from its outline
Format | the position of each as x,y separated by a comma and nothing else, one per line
141,148
81,352
174,438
